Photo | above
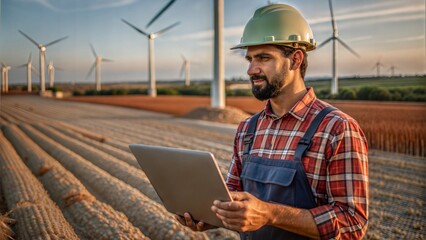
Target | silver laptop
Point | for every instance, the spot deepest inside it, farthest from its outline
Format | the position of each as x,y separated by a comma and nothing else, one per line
185,180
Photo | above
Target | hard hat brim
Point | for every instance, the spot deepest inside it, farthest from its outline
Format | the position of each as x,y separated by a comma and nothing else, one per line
305,46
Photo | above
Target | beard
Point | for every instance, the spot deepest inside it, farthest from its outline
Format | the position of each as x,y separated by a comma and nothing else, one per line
271,90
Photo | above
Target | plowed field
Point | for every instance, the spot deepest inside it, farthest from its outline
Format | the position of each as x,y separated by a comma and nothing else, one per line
66,173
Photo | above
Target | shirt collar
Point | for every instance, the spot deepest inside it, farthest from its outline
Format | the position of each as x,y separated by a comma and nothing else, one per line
300,110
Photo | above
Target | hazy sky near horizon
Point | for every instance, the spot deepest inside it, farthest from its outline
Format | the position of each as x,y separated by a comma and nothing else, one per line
389,31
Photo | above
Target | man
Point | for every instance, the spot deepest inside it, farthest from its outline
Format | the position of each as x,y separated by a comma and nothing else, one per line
285,183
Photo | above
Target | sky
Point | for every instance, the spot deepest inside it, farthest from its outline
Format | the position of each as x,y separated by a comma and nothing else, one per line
391,32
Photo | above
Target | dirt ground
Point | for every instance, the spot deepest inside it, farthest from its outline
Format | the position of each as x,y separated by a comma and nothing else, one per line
196,107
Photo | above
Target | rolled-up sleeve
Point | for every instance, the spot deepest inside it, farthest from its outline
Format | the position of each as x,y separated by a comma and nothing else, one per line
233,180
346,214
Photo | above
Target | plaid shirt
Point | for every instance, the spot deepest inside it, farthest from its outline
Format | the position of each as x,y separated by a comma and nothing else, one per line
336,164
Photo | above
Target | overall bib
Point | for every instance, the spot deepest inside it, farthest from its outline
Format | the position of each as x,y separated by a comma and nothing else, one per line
278,181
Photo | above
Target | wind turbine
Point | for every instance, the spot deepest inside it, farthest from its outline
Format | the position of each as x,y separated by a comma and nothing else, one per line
42,50
97,64
29,69
152,90
186,66
51,72
5,77
377,66
335,38
392,69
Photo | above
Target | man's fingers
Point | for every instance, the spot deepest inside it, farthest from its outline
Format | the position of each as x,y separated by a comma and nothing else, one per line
180,219
189,222
239,196
230,206
227,214
200,226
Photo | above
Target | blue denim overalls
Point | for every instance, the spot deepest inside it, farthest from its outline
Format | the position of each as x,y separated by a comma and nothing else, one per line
278,181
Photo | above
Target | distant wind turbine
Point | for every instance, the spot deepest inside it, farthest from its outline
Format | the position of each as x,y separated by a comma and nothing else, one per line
335,38
51,72
42,50
97,65
377,66
186,66
29,69
152,91
392,69
5,77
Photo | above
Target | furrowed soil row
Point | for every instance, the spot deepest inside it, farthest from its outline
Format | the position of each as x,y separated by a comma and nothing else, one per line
144,133
140,131
151,136
36,215
22,115
90,218
117,168
154,221
113,151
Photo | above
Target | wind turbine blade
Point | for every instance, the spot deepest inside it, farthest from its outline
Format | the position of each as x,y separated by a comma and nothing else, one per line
183,57
29,59
347,47
107,60
160,12
167,28
21,66
3,65
28,37
35,69
333,22
93,50
325,42
134,27
90,70
56,41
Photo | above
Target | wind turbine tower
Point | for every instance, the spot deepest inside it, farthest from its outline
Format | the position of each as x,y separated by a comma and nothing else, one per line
97,65
392,69
51,73
42,50
5,77
218,84
152,89
335,38
29,69
377,66
186,66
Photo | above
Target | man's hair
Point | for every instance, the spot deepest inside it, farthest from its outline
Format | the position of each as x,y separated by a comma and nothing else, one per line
287,51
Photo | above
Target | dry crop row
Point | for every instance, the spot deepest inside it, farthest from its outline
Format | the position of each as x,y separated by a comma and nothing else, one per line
36,215
88,216
397,181
391,127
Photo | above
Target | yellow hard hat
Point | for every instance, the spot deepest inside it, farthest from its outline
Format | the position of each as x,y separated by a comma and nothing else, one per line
279,24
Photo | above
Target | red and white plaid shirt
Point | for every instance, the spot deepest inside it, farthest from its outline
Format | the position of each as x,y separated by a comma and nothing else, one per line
336,163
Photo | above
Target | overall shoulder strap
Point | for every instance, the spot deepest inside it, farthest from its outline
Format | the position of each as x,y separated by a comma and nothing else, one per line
306,140
248,138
